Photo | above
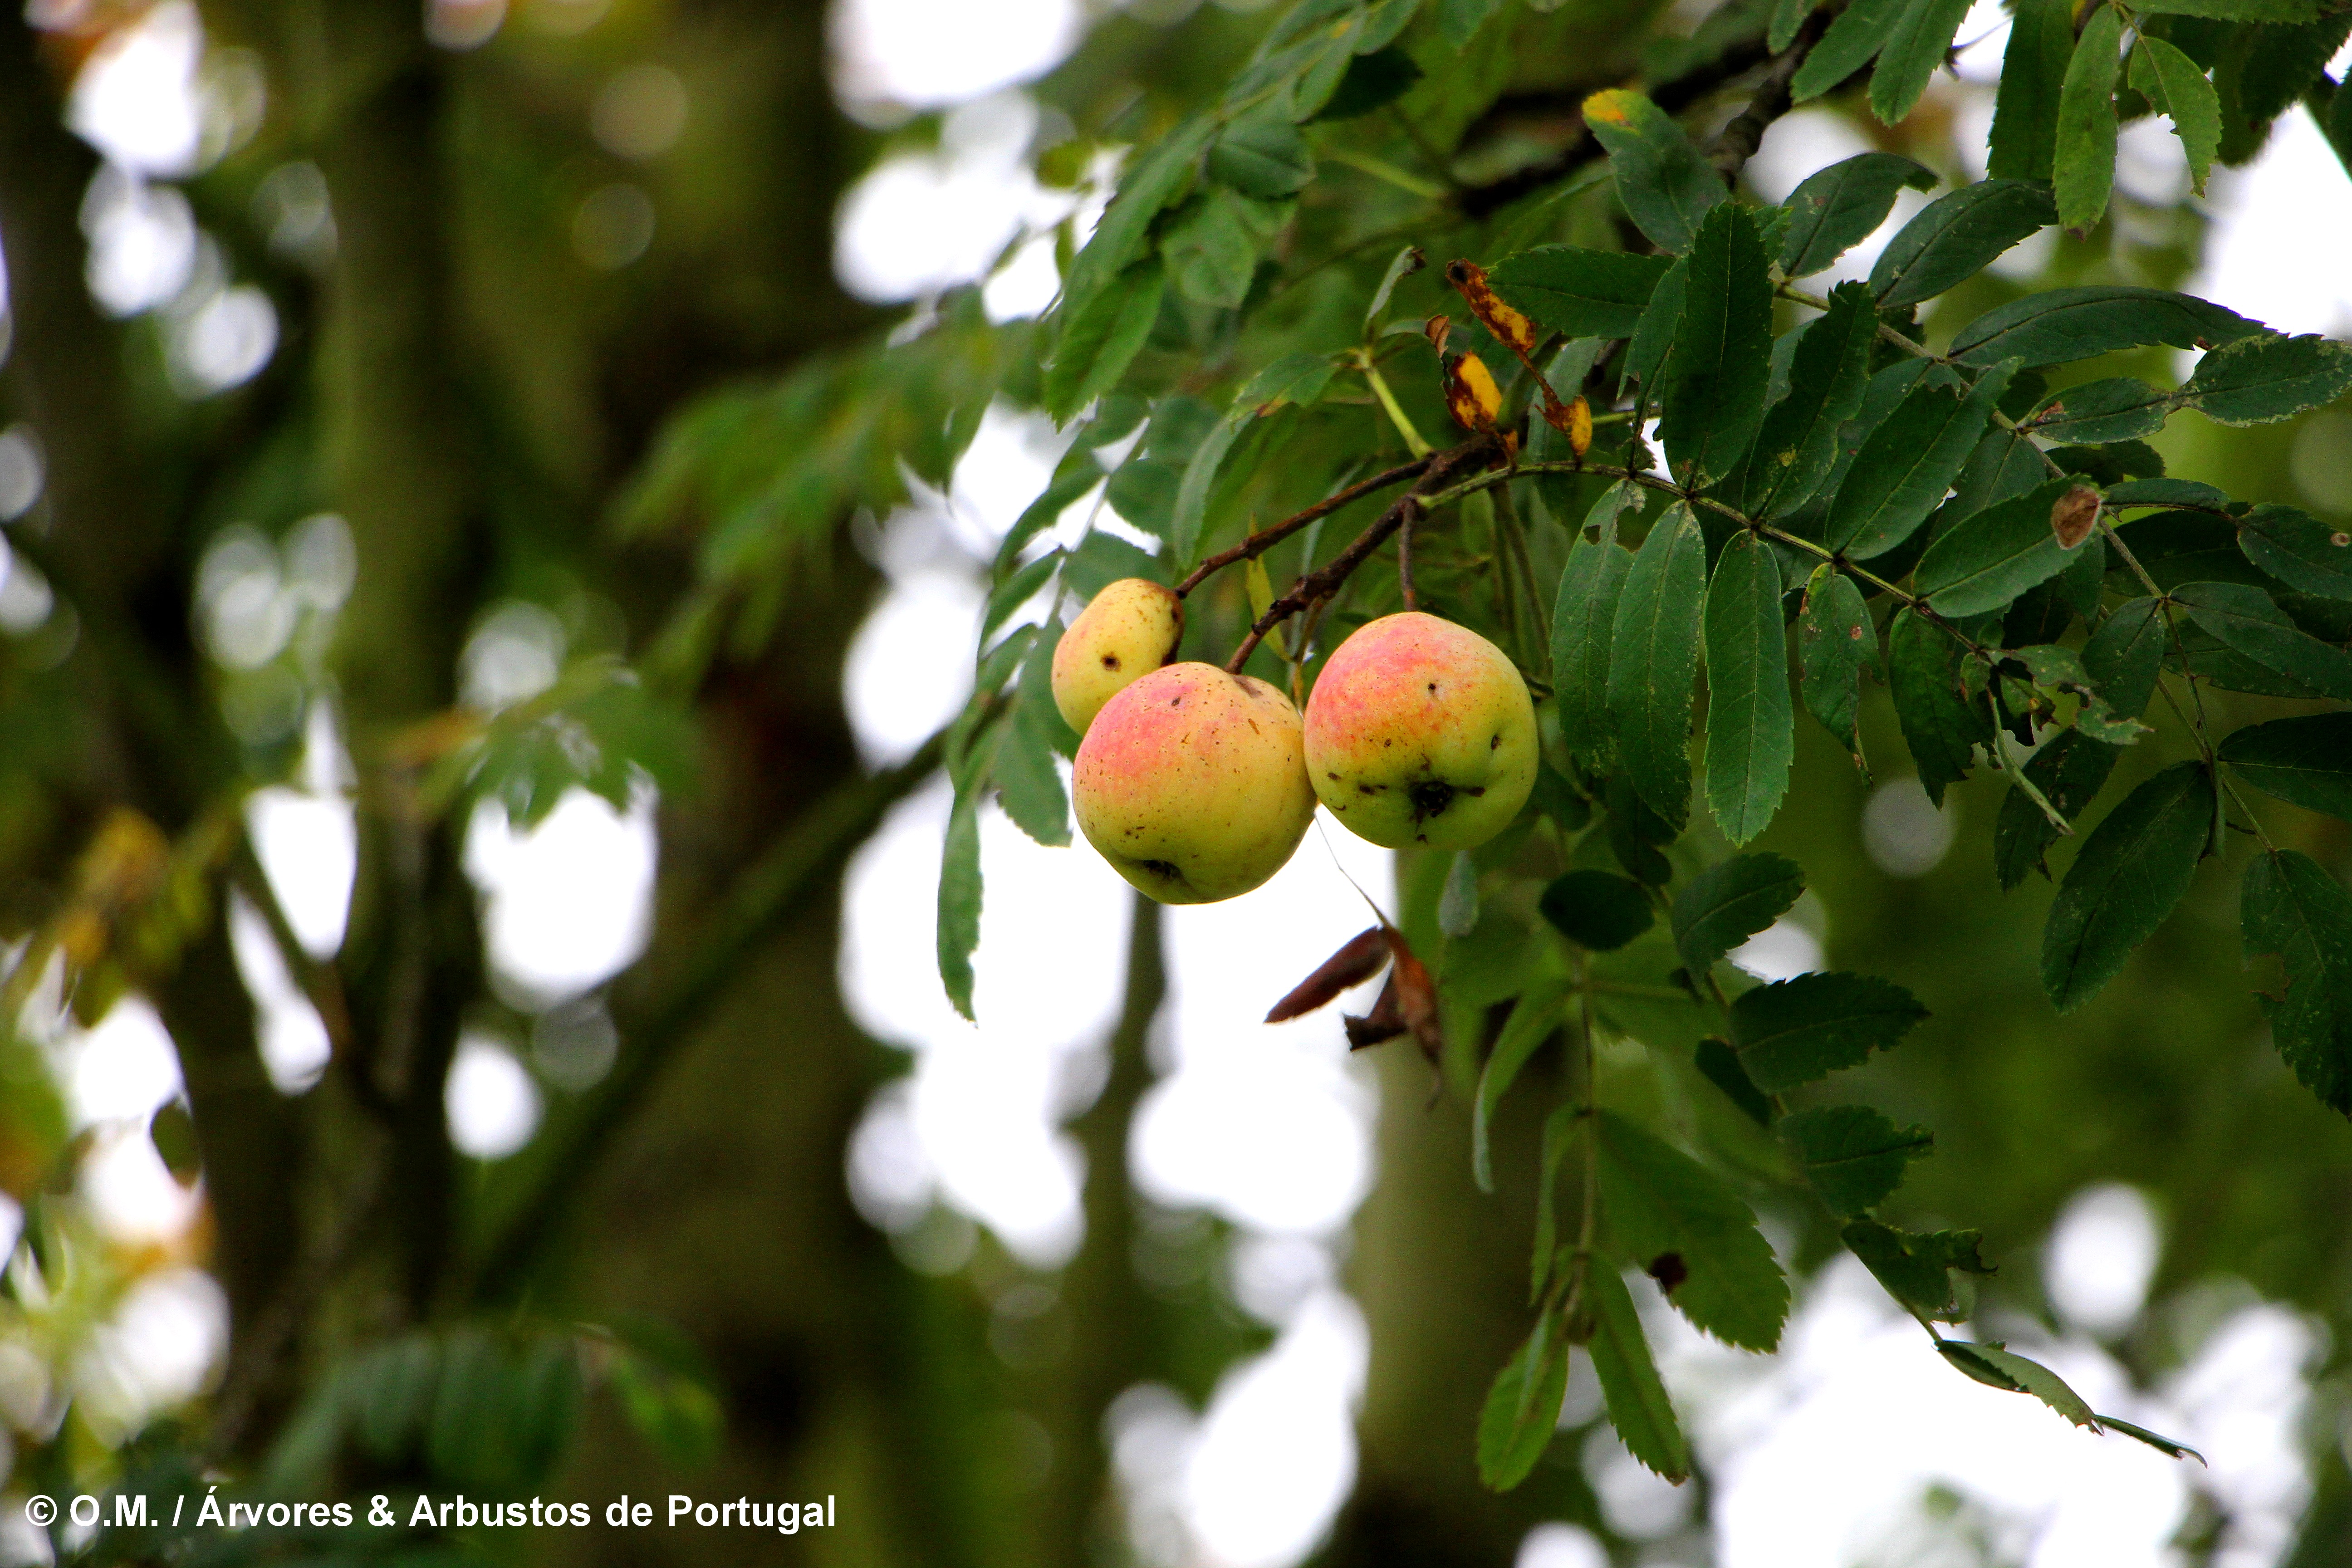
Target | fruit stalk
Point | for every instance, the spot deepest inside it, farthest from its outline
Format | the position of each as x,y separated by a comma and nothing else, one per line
1258,543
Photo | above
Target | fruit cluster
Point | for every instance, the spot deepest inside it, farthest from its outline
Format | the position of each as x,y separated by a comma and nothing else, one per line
1197,784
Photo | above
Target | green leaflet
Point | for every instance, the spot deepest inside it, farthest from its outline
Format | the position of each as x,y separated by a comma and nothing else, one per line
1954,236
1654,654
1262,156
1193,493
2278,11
2069,770
1210,249
2247,621
1860,31
2176,87
2025,107
1835,643
2267,377
1100,337
1797,444
2118,409
1583,621
1984,562
2085,167
1645,355
1600,910
2124,655
1584,293
2305,761
2292,907
1459,20
1921,38
1853,1156
1667,188
1793,1031
1751,729
1018,590
1560,1134
1941,723
1159,179
1838,207
1636,1397
1720,1064
1906,466
1916,1269
1730,902
2299,549
1533,1018
2168,493
1680,1223
1997,1368
2122,884
1722,356
959,921
2005,464
1788,16
1515,1424
2057,326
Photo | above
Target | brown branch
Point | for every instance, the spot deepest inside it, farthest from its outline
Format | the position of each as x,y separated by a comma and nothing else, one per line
1327,580
1265,539
1738,141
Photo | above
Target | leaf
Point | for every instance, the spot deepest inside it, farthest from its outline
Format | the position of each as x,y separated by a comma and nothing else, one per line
1860,31
1722,355
1836,209
1793,1031
1458,21
1211,252
1665,186
1522,1408
1995,1367
1797,445
1630,1386
2084,166
2306,762
1028,785
1730,902
2246,619
2299,549
2153,1439
2168,493
1262,156
1406,262
2267,377
1534,1017
2116,409
1676,1219
2291,906
1834,645
1193,494
1921,38
1954,236
1583,622
2069,770
1908,464
1720,1064
1597,910
2056,326
1654,651
2124,655
1941,724
1750,727
1559,1133
1293,381
1362,956
1788,16
1916,1268
2122,884
2176,87
1584,293
1853,1156
1646,352
2276,11
959,919
1985,562
2025,108
1099,339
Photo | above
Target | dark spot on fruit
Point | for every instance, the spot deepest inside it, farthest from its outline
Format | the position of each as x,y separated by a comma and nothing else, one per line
1333,777
1495,743
1365,788
1430,798
1175,702
1110,661
1669,1270
1432,688
1475,791
1165,871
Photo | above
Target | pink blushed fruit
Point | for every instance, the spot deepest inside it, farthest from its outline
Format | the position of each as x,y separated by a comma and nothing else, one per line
1420,732
1193,784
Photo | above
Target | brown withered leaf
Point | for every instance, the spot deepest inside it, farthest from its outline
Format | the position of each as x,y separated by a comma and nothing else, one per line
1573,420
1471,394
1384,1022
2073,515
1416,996
1357,961
1437,330
1512,330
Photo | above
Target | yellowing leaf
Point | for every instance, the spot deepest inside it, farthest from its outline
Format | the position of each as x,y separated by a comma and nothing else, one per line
1471,394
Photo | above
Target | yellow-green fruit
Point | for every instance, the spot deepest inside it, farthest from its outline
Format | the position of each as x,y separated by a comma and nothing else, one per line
1131,629
1193,784
1420,732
